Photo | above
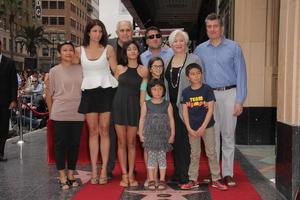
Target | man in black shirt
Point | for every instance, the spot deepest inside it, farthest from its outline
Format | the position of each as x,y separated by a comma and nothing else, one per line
8,91
124,32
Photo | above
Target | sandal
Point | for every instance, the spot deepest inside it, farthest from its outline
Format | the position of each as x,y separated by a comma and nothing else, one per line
94,180
73,183
151,185
125,181
64,185
133,182
103,180
161,185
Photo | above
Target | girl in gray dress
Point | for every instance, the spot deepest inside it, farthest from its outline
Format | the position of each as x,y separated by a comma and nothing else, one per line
157,131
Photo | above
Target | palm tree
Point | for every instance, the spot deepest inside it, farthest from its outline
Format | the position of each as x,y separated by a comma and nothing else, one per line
32,37
10,9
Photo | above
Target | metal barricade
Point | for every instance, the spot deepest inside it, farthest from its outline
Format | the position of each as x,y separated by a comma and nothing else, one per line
26,96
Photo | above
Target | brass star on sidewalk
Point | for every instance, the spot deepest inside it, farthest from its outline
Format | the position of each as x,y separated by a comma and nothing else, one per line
84,176
169,193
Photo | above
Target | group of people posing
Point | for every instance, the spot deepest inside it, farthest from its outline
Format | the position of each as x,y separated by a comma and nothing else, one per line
167,96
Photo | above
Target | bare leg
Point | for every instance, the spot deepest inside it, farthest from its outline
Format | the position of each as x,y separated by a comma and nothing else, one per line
72,179
122,144
92,120
131,141
62,175
146,160
156,172
104,119
70,174
162,174
151,172
63,179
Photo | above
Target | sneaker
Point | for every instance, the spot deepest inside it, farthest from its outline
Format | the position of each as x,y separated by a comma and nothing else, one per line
191,184
220,186
229,181
207,179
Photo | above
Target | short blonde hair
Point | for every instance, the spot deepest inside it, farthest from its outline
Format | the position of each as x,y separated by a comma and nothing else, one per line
178,31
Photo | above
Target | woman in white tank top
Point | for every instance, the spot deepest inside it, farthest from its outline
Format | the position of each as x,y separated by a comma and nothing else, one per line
98,62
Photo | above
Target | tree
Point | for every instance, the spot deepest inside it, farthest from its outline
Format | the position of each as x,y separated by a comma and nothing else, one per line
32,37
10,9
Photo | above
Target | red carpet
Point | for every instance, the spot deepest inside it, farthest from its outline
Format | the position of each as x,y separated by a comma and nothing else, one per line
113,191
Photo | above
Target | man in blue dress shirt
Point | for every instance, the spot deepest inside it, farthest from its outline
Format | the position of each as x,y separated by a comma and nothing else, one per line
225,71
153,38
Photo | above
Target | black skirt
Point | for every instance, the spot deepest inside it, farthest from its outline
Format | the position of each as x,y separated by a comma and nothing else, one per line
98,100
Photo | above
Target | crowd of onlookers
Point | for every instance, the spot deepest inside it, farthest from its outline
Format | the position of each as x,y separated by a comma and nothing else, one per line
31,101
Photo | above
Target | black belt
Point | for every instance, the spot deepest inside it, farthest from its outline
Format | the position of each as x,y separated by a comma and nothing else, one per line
224,88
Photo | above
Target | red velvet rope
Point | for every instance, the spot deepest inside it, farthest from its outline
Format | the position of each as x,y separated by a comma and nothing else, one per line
36,112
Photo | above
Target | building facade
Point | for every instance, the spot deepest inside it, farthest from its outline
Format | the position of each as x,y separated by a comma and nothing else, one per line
61,19
64,20
20,19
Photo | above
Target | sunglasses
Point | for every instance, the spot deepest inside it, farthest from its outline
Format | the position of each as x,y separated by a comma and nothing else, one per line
154,36
65,42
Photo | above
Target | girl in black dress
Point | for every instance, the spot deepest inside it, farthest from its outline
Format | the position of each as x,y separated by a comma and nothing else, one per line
126,108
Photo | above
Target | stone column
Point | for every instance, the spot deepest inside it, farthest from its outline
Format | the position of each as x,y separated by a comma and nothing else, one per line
256,29
288,100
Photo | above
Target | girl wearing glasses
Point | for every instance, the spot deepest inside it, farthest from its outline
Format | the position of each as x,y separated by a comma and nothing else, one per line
156,69
63,95
98,61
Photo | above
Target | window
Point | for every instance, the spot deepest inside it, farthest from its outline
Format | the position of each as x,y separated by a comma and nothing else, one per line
45,5
45,20
4,44
53,20
73,8
45,51
61,36
53,4
73,23
77,25
61,5
16,47
9,43
73,38
52,51
61,20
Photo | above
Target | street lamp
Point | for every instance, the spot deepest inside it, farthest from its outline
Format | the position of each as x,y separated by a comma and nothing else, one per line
54,37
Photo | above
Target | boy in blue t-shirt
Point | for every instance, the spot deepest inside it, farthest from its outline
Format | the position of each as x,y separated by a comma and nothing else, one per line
198,105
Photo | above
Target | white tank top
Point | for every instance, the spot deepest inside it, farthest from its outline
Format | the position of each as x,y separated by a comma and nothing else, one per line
96,73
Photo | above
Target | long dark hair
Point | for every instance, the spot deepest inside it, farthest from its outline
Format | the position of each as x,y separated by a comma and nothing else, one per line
124,52
150,63
89,26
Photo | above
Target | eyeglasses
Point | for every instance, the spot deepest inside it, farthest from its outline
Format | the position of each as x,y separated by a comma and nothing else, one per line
157,66
154,36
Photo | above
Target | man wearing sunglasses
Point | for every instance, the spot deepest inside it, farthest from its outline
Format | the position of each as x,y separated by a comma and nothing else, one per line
154,41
